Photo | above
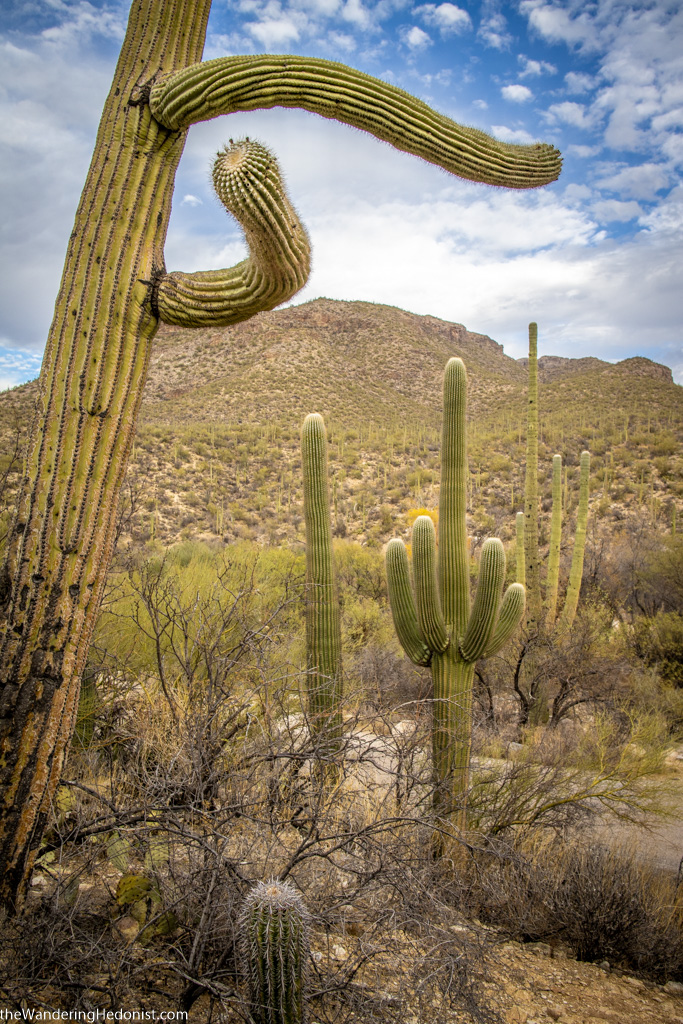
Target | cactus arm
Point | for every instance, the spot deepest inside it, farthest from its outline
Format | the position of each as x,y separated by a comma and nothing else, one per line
511,611
403,604
486,602
323,625
576,572
553,577
429,615
519,549
454,581
229,84
247,181
531,557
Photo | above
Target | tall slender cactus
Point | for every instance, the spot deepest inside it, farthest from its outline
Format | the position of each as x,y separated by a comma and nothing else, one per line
323,620
542,613
113,293
433,618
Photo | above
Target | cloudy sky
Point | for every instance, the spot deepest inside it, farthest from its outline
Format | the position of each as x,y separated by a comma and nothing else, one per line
594,258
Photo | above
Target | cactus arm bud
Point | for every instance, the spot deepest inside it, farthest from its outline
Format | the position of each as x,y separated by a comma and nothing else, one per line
335,91
247,181
323,624
576,571
429,615
454,577
486,602
519,549
511,611
403,604
553,577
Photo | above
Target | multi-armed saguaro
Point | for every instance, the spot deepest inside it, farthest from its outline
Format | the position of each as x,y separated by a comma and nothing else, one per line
542,613
114,291
323,620
434,622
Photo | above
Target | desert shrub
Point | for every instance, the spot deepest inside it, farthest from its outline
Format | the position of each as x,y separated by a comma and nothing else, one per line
601,902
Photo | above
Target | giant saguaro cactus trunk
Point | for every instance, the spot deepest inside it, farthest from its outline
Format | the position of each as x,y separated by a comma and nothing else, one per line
433,619
113,293
542,616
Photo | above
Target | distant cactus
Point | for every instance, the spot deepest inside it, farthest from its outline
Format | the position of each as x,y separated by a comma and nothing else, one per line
433,619
323,620
542,613
274,928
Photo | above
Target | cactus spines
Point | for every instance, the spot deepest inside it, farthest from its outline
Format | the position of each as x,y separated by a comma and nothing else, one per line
520,569
323,623
247,181
433,619
275,926
229,84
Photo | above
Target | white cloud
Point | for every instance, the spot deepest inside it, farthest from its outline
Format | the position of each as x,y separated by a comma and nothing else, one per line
448,18
516,93
274,32
641,182
357,14
533,68
583,152
577,82
575,114
607,210
506,134
493,30
416,38
190,200
556,24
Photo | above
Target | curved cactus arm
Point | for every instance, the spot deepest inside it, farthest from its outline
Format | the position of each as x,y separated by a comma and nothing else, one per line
553,577
248,182
454,576
429,615
229,84
486,602
323,624
403,604
519,549
511,611
576,571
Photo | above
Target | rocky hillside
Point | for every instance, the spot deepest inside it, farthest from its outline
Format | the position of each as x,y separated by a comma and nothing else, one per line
217,448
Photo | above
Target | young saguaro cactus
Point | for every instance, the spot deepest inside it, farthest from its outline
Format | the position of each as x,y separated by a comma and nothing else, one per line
275,928
113,294
433,618
542,614
323,620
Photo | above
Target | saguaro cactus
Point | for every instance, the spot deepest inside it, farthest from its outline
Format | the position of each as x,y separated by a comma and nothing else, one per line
113,292
323,622
275,942
542,613
433,619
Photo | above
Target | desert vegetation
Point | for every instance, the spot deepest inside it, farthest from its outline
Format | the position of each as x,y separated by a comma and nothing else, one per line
249,771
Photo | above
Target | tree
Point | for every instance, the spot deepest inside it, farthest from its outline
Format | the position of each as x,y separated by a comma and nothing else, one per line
113,293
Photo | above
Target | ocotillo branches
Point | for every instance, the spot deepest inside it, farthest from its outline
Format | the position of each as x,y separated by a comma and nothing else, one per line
433,617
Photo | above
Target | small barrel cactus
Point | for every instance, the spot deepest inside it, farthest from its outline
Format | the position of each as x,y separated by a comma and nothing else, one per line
275,943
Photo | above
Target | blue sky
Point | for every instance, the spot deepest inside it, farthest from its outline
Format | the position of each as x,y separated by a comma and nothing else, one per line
594,258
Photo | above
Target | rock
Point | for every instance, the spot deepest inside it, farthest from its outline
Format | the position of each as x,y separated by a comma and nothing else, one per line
128,928
674,988
339,952
605,964
514,749
634,982
539,948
